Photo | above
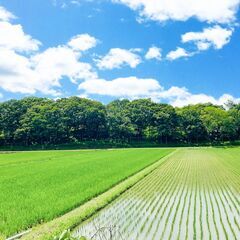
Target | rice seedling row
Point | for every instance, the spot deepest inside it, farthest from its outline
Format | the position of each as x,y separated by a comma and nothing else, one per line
193,195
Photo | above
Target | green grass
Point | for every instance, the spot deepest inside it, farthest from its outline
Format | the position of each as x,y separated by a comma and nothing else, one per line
106,144
39,186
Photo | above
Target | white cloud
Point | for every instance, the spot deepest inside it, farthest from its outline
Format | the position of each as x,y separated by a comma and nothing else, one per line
180,97
82,42
16,74
130,87
117,57
40,71
13,37
43,71
75,2
5,15
154,53
226,98
215,11
215,37
55,63
178,53
133,87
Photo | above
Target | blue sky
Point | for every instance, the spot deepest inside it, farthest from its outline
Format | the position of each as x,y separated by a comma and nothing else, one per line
181,53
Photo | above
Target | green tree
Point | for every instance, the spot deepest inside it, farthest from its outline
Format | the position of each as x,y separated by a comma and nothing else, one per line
140,112
218,123
191,125
11,113
45,121
119,122
234,112
83,118
165,120
41,124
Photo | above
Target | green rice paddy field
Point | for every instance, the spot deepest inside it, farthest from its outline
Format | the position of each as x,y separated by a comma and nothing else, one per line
36,187
194,194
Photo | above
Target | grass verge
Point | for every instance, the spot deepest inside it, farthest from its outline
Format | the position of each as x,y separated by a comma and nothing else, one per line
105,144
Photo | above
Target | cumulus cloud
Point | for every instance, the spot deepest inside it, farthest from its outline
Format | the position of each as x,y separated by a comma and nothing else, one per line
43,71
215,37
55,63
117,58
154,53
24,69
18,76
82,42
130,87
5,15
133,87
13,37
178,53
75,2
180,97
213,11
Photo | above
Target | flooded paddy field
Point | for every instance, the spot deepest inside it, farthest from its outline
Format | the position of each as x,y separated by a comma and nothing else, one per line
195,194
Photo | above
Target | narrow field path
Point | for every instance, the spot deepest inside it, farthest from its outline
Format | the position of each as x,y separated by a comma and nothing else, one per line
193,195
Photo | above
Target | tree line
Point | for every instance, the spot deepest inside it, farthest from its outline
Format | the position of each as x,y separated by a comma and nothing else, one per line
39,121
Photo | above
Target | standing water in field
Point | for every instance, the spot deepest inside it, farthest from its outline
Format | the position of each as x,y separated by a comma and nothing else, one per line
192,196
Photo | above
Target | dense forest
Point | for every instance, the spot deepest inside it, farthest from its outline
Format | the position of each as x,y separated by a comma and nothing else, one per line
40,121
